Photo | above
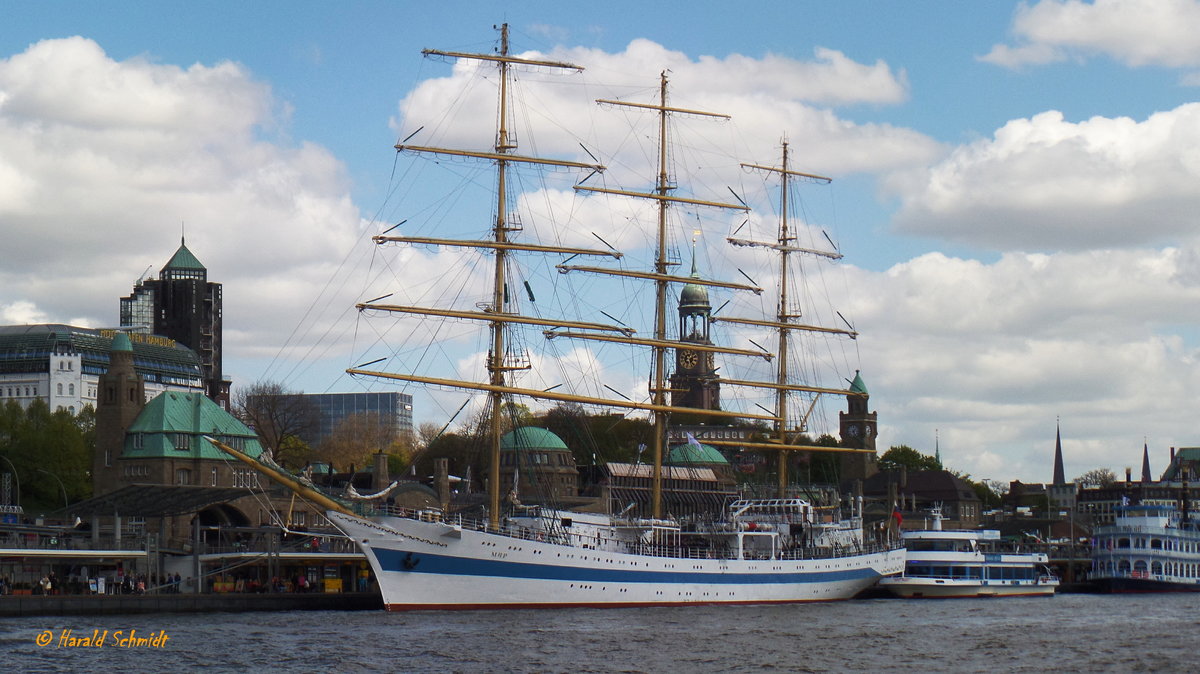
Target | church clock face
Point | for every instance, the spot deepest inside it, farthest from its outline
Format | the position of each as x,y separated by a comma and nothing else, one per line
710,360
688,359
853,431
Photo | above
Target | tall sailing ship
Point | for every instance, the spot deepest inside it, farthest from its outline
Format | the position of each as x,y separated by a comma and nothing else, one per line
757,551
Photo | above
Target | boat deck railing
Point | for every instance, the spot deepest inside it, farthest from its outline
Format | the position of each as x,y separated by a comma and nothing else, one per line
561,536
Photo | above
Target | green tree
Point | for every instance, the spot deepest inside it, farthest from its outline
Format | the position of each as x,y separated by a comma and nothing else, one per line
50,452
903,455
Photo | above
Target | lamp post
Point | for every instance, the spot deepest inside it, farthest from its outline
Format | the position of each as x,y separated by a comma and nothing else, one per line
60,484
15,477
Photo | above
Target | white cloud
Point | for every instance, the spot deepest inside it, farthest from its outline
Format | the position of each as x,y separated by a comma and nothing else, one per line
1045,182
774,97
1134,32
991,354
104,160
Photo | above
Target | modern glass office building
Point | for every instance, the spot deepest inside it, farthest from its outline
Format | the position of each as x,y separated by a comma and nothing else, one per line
334,407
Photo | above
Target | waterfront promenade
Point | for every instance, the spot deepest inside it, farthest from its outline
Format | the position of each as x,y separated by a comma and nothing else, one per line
69,604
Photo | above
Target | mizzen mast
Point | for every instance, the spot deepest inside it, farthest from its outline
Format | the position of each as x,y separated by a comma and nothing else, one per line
784,323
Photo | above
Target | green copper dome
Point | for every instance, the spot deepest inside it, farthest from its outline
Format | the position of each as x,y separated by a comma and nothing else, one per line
694,294
695,454
531,437
120,342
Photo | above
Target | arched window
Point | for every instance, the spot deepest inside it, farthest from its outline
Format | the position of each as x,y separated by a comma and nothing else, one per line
60,388
70,389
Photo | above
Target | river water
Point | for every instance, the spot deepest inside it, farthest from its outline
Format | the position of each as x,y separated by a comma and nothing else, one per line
1151,633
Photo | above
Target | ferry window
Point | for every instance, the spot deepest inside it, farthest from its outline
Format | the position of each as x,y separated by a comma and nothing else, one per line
1156,544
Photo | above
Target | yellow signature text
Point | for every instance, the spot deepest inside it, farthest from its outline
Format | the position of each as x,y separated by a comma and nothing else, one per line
98,638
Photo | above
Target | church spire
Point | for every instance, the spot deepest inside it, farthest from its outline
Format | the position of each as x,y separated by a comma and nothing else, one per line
1146,462
1060,476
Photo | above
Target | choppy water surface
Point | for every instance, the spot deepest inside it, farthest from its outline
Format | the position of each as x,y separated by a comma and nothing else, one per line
1067,632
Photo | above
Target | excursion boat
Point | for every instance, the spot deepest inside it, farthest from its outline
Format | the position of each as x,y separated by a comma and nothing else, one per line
1147,548
965,563
515,556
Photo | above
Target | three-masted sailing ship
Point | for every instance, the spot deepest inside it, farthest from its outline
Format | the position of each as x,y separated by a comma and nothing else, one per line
760,551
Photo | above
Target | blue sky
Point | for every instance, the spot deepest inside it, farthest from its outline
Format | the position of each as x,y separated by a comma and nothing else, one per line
1014,183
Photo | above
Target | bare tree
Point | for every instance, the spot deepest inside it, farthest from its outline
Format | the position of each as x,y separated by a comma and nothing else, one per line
1097,477
281,418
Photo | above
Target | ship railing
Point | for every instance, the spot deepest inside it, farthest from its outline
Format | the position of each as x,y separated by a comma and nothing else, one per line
634,546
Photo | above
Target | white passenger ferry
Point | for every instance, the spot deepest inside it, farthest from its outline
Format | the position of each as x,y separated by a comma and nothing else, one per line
1148,548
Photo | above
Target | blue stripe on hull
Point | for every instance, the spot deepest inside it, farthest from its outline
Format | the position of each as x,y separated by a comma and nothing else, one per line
396,560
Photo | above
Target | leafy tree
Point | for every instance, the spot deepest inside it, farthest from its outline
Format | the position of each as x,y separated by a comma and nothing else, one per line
903,455
1097,477
50,452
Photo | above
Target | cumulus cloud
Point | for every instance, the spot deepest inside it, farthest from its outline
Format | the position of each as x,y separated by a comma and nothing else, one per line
105,162
777,96
1134,32
1048,183
991,353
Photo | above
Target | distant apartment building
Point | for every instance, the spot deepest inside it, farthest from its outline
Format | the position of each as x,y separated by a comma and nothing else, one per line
62,364
183,305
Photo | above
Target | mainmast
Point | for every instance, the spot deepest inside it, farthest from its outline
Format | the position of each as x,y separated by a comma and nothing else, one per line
662,193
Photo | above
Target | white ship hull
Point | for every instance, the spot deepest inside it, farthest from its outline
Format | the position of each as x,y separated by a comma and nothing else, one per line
913,588
435,565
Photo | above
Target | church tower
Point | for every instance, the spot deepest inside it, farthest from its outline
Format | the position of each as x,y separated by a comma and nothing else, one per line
695,382
858,430
121,395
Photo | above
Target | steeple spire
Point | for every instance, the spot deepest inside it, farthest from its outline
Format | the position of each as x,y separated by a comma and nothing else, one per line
1146,462
1060,476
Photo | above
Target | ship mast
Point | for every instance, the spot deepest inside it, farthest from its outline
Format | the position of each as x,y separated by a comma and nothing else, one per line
662,193
784,322
496,313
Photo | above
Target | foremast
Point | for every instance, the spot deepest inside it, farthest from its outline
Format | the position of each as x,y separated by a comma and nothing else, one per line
496,313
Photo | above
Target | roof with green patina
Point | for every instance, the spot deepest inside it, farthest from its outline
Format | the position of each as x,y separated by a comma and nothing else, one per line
173,414
695,453
531,437
857,385
183,259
